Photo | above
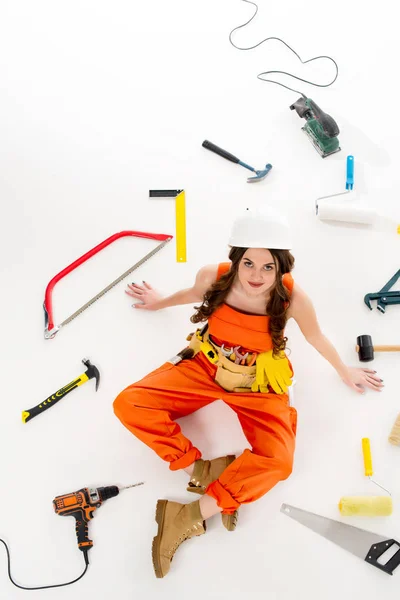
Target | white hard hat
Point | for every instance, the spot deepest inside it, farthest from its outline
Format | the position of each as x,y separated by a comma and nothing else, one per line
261,228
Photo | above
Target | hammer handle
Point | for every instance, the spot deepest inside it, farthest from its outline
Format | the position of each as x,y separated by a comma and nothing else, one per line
220,151
387,348
29,414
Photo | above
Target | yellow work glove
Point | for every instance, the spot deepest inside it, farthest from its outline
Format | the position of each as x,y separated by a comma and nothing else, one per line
273,370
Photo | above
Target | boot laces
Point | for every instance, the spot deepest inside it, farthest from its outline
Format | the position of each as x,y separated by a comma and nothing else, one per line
182,538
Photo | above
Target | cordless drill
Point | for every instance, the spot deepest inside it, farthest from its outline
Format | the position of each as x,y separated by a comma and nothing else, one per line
81,505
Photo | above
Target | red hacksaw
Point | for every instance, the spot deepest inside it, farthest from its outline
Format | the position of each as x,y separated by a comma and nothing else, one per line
51,329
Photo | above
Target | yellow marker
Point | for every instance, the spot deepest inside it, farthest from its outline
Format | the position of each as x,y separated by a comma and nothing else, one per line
180,219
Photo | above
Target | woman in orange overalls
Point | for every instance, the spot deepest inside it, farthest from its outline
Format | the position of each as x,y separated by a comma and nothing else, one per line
237,357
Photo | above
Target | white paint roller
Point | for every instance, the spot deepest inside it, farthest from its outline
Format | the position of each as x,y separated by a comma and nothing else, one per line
350,210
349,213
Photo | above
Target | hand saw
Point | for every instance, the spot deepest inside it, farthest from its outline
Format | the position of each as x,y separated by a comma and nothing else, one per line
51,329
366,545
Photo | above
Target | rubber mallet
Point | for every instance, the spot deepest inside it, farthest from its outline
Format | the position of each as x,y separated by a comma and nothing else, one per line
366,349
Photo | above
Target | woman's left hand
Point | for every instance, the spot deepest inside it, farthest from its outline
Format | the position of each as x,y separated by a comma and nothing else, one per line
358,379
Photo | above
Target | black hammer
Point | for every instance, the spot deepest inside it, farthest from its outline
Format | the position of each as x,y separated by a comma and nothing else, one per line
91,373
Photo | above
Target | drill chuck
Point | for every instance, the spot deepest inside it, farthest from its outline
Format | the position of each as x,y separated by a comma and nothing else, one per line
107,492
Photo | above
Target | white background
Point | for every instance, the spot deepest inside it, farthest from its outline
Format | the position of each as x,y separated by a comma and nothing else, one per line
99,103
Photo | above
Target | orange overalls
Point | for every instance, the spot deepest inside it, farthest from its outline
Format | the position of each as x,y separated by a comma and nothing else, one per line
149,408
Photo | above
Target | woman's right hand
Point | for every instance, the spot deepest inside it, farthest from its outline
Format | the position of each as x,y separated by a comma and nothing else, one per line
146,296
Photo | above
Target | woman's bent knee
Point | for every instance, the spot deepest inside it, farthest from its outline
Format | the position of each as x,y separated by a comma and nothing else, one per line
125,401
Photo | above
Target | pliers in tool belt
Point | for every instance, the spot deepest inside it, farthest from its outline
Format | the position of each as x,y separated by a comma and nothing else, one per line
239,357
384,297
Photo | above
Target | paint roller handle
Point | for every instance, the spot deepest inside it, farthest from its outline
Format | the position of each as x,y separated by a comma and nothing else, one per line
210,146
366,448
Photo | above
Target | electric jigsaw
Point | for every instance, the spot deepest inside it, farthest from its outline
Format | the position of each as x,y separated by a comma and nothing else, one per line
320,127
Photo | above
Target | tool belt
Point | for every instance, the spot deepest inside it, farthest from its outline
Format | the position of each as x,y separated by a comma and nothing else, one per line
230,376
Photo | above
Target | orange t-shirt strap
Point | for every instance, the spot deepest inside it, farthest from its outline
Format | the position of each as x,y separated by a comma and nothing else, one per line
222,269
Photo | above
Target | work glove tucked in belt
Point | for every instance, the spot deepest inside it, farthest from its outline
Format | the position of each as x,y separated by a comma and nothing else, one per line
273,370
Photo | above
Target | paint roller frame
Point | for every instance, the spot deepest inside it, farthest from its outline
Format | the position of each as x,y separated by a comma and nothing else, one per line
368,470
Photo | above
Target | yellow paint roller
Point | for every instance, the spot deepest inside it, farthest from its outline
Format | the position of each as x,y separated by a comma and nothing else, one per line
367,506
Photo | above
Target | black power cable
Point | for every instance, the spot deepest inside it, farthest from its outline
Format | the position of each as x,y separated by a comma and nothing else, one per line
291,49
43,587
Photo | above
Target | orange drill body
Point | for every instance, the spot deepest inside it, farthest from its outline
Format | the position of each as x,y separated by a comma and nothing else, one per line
81,505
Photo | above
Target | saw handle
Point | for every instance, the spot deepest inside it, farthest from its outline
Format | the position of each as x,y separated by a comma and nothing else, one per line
366,448
378,550
220,151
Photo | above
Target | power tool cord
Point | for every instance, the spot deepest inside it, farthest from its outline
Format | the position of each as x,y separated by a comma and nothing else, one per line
259,76
43,587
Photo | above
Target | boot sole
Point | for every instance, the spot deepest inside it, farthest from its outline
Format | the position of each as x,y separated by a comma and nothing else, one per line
155,550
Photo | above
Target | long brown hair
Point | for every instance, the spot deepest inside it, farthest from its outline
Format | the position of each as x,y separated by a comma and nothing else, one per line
278,302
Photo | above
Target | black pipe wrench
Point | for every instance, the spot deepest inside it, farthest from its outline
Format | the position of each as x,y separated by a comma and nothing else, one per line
384,297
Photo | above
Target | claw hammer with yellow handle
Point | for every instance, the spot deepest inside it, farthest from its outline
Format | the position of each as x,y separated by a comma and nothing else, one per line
90,373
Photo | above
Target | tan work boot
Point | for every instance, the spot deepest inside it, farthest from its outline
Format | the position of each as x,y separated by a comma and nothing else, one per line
204,473
176,523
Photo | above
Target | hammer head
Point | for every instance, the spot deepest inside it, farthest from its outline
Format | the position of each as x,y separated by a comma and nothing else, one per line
92,372
365,348
260,175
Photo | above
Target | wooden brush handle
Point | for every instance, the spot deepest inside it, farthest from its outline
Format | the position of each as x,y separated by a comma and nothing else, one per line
394,437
